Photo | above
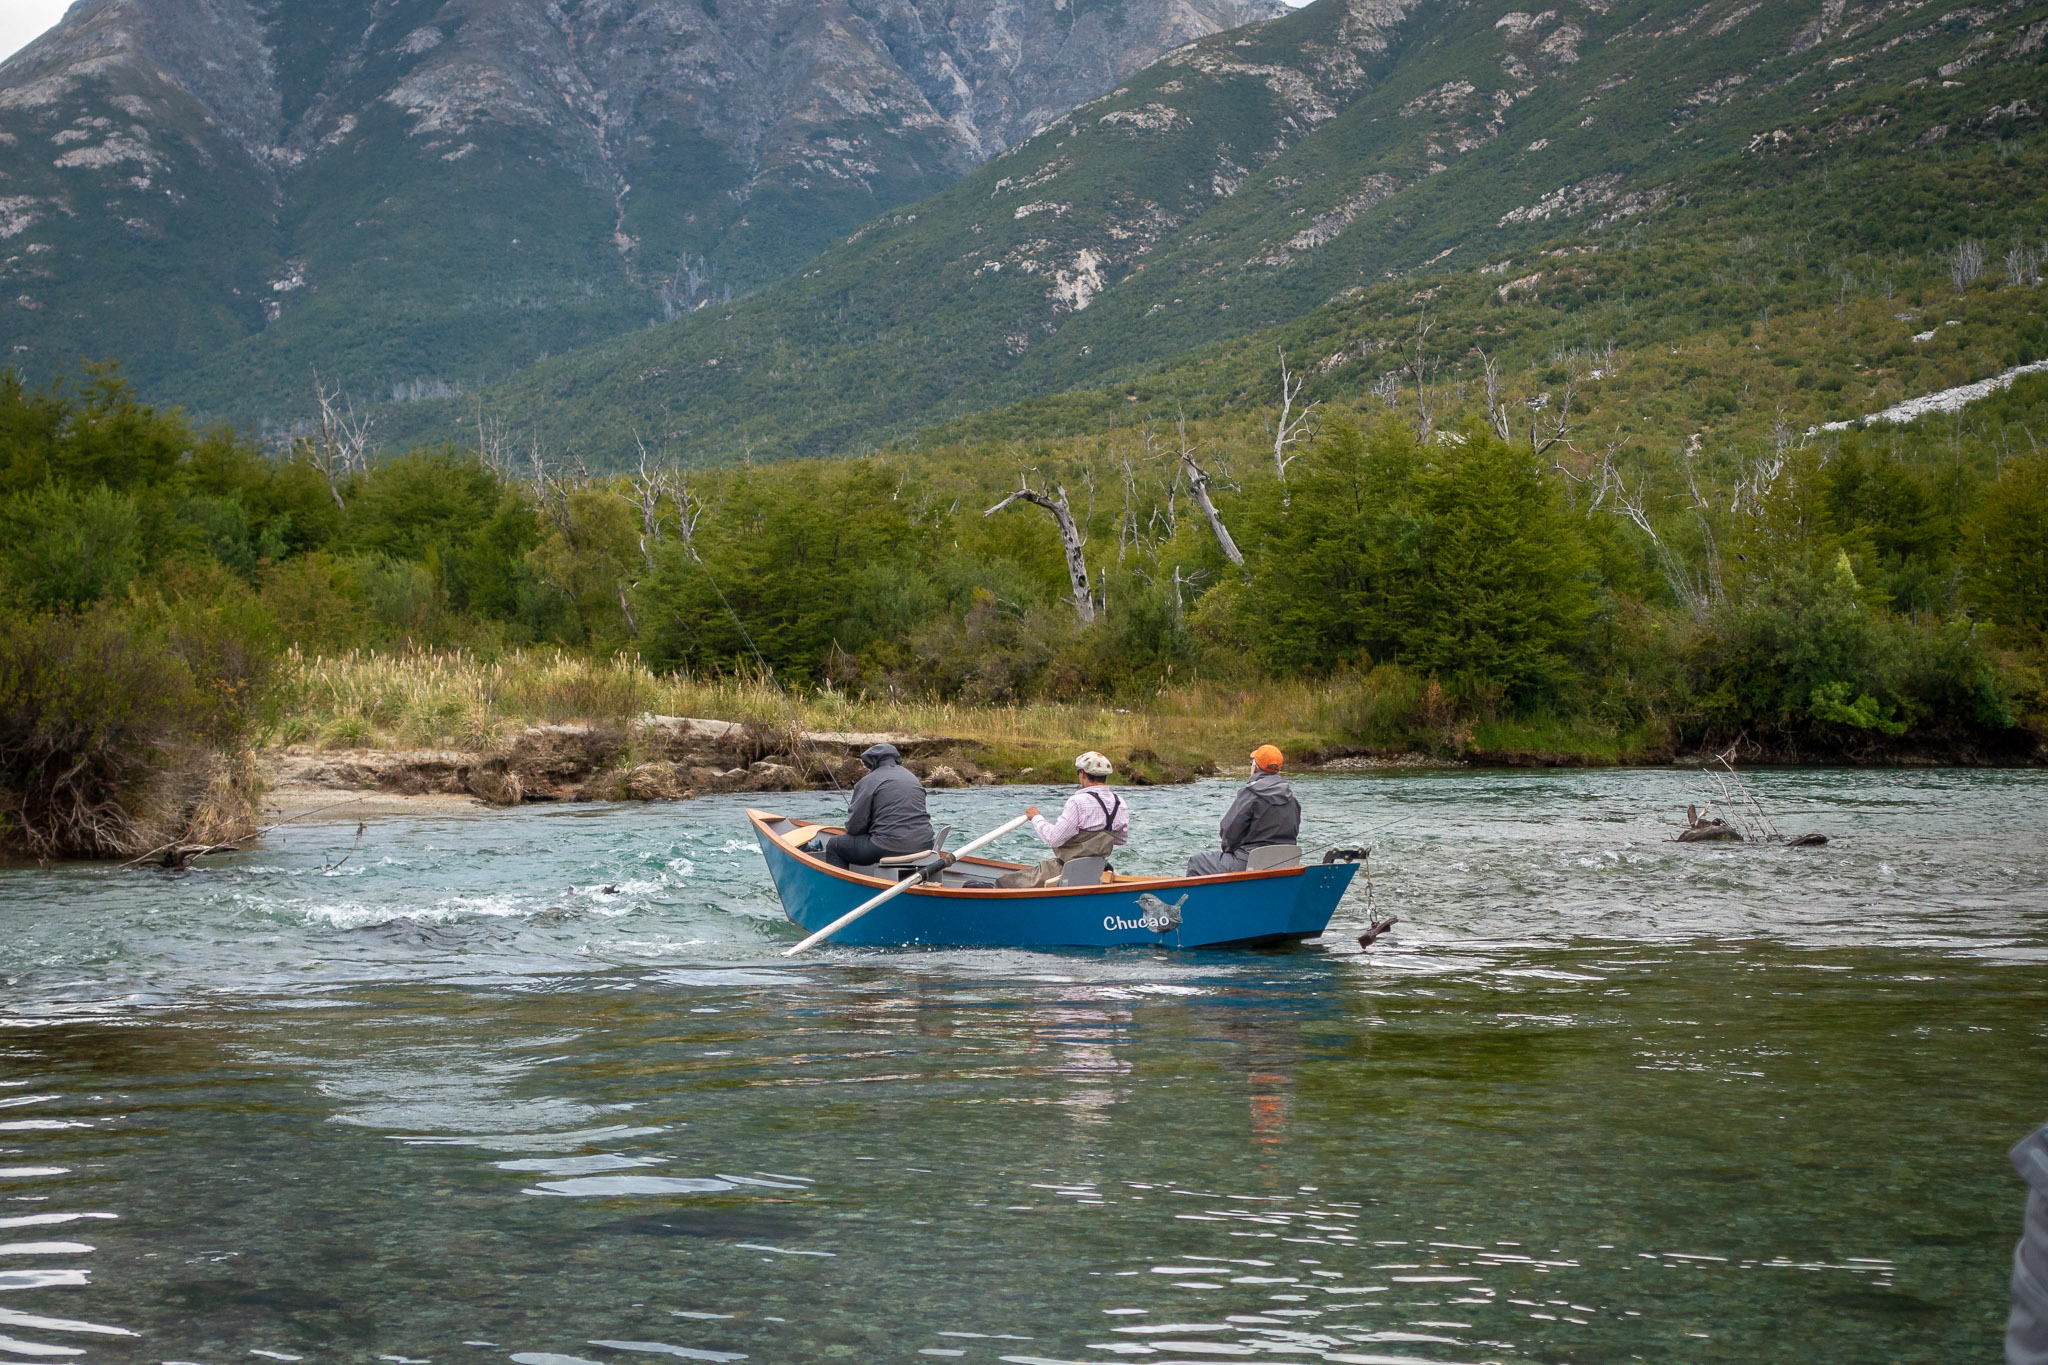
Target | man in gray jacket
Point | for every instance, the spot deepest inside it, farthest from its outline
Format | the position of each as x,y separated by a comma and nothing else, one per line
885,814
1265,812
2026,1330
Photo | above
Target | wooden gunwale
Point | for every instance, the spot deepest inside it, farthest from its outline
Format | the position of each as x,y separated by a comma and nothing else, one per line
762,819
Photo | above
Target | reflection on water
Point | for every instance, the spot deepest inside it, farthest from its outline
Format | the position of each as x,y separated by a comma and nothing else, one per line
1600,1098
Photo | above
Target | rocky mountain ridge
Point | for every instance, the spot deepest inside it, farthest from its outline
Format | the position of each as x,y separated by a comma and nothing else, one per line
410,196
1298,169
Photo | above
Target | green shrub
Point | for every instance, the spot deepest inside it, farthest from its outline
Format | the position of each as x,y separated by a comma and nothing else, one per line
2008,553
61,547
1456,559
318,602
105,733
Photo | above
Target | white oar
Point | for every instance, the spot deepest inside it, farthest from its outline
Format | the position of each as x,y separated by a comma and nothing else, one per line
945,860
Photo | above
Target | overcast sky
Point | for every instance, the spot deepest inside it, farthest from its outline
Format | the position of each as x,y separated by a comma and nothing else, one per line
21,20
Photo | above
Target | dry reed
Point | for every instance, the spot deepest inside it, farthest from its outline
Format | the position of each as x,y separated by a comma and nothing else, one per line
457,700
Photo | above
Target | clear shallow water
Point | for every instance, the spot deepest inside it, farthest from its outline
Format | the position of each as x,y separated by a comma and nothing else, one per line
1601,1097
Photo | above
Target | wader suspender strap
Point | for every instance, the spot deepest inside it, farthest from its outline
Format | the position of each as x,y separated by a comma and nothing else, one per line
1108,812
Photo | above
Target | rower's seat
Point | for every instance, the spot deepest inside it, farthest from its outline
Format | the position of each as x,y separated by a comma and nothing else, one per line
1083,871
1272,856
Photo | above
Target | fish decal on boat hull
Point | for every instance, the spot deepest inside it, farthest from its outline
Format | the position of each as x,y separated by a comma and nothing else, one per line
1153,913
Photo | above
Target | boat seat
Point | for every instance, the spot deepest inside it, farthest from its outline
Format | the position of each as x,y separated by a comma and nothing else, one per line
1272,856
944,833
865,869
1083,871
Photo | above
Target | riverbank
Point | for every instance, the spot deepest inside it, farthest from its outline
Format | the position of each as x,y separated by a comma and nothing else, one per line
550,727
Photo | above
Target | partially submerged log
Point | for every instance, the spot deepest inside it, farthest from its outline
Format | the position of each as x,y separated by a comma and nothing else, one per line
178,857
1699,830
1378,927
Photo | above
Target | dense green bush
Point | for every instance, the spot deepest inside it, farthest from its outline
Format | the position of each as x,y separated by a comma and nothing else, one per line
1456,560
2008,552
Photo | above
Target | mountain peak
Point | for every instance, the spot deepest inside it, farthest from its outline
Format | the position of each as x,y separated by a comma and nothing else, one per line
481,182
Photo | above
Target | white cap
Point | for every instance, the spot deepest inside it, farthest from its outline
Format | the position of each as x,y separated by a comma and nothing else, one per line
1094,764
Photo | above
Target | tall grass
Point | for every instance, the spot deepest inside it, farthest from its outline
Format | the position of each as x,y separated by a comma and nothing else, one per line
458,700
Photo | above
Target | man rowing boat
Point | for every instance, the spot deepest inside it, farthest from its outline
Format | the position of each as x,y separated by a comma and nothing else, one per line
1094,823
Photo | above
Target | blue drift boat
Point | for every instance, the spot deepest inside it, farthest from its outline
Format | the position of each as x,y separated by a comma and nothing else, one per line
1235,910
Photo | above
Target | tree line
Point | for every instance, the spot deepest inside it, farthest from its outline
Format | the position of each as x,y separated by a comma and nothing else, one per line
1859,594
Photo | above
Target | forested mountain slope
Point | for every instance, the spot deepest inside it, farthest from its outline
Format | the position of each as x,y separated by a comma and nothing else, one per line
413,195
1326,170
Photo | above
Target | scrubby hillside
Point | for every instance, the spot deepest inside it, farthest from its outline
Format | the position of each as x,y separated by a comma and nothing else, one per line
1364,174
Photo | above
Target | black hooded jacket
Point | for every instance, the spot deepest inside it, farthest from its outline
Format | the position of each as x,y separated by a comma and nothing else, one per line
888,806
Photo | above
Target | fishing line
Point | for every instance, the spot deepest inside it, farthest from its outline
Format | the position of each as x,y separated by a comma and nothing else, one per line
1367,834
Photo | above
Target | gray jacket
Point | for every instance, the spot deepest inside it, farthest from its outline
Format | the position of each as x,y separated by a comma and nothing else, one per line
888,806
2026,1331
1265,812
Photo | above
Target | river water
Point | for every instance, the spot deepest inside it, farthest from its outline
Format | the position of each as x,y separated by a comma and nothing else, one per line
1599,1097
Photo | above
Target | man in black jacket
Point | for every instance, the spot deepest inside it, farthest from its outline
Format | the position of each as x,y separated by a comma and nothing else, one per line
885,814
1265,812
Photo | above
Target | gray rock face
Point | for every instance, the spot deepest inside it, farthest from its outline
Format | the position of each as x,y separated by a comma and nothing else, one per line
464,186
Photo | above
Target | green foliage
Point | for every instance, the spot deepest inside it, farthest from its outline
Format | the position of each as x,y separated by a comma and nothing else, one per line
2008,554
1455,560
794,567
1832,704
1460,591
87,702
66,548
103,711
319,602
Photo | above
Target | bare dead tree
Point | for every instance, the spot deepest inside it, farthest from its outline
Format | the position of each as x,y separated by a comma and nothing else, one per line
1700,508
648,489
1183,581
1292,424
1496,407
1387,388
1070,540
1965,264
1761,474
494,442
340,445
549,491
1559,424
1169,515
1127,522
1616,495
1423,372
1198,485
2023,268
